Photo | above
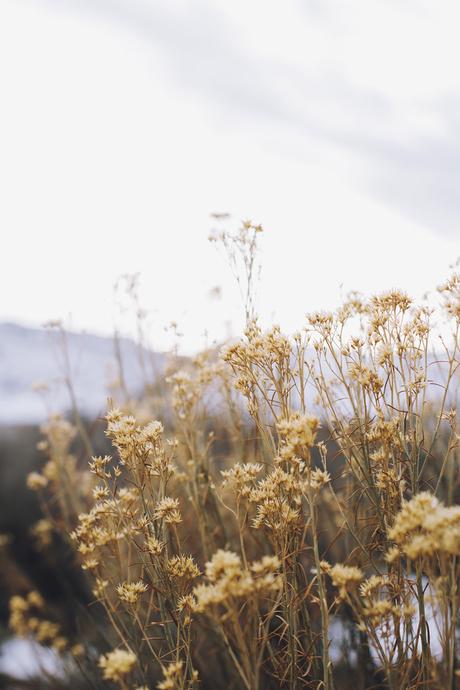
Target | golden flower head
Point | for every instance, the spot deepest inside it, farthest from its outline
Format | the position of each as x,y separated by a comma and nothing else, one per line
345,577
131,591
36,481
117,664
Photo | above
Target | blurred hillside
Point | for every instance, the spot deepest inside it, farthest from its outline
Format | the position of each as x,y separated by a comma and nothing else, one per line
31,357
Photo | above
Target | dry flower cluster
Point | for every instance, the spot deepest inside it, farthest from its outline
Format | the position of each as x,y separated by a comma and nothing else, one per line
293,524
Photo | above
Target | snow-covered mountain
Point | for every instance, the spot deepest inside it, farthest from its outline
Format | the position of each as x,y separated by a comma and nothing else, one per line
30,357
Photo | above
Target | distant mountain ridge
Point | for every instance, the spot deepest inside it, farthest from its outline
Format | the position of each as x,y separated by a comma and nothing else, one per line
29,356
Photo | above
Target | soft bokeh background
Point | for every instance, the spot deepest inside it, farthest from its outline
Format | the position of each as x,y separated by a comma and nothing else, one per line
124,123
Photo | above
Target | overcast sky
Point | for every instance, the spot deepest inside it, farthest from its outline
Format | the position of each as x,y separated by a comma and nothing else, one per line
125,123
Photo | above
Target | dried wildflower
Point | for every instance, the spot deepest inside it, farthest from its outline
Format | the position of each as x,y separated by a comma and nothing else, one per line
99,589
77,650
451,293
152,432
277,515
392,554
59,433
450,416
47,632
268,564
100,492
420,545
345,577
51,471
378,609
369,586
59,643
90,564
43,533
182,567
18,615
172,676
389,482
98,466
425,526
390,301
35,599
240,475
131,591
223,562
265,574
168,510
298,435
36,481
154,545
325,566
18,603
230,581
118,664
317,479
187,602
